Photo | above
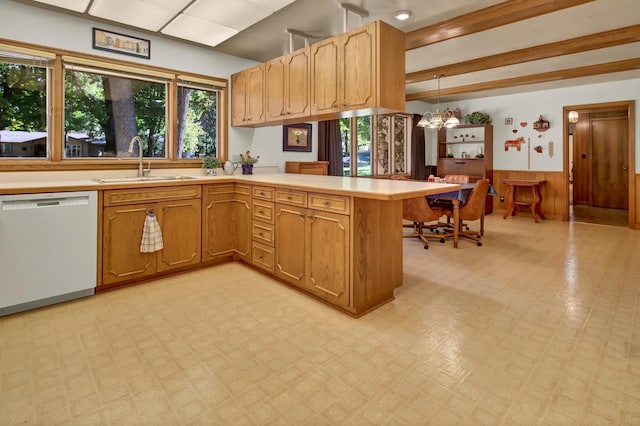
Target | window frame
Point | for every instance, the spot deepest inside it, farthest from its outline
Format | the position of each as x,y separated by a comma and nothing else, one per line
55,141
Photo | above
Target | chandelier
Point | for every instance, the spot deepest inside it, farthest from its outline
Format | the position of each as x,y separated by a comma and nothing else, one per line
438,120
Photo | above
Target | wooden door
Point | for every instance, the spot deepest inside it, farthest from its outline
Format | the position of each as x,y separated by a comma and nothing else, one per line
581,160
255,94
325,61
226,220
290,244
122,234
358,68
610,163
328,256
180,222
298,83
238,98
275,88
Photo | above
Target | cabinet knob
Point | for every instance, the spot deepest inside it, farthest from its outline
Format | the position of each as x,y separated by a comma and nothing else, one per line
301,215
261,211
261,257
261,193
325,203
334,104
260,234
289,197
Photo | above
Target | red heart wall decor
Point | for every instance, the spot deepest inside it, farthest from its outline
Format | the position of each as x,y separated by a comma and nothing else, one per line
523,123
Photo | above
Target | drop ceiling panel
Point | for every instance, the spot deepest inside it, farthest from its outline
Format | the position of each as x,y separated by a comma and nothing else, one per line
238,14
272,4
75,5
150,15
198,30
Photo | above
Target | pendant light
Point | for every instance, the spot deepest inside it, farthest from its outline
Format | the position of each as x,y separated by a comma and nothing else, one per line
437,120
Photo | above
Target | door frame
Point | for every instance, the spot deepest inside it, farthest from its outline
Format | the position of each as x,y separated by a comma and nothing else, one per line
631,132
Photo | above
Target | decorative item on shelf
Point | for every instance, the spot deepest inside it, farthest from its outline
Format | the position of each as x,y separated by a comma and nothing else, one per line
538,149
508,121
477,118
480,153
541,125
438,121
247,162
210,164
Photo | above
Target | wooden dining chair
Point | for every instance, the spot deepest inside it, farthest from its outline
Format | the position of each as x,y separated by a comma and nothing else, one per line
457,178
473,209
418,211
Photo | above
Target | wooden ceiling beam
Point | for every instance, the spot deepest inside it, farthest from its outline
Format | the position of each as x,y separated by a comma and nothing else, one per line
606,68
497,15
544,51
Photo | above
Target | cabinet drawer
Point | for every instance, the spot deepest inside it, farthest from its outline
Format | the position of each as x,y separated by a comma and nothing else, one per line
225,191
263,210
329,203
145,195
296,198
460,166
262,256
262,232
263,193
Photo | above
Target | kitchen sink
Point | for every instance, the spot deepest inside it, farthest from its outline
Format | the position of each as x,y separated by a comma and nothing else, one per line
143,179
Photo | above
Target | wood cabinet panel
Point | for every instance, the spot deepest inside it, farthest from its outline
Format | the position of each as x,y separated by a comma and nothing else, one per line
226,218
263,210
247,97
181,233
263,193
297,84
290,244
325,66
146,195
122,234
288,196
263,232
330,203
263,256
275,85
357,68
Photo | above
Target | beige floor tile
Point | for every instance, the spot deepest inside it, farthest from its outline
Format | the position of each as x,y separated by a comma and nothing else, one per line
537,326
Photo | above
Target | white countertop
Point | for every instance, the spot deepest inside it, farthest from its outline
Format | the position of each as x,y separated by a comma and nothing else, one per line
382,189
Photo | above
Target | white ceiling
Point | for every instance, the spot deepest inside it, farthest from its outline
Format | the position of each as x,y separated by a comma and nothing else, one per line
255,29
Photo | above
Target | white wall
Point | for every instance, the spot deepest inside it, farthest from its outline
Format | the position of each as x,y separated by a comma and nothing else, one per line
527,107
47,28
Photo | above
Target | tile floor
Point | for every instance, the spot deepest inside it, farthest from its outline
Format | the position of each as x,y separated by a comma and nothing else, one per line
541,325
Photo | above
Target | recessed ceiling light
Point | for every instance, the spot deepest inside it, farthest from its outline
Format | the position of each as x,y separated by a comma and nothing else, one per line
402,15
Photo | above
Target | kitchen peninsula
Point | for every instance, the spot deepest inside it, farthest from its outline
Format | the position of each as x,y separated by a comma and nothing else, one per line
336,238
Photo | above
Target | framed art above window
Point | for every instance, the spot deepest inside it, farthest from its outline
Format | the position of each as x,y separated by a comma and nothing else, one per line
121,43
297,137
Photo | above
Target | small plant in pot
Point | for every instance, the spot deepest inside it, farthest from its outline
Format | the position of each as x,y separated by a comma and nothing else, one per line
247,161
210,164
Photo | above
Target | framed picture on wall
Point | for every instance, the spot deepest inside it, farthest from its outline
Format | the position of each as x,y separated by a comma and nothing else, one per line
121,43
296,137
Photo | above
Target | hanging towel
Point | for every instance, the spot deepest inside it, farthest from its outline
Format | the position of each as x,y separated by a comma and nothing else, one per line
151,235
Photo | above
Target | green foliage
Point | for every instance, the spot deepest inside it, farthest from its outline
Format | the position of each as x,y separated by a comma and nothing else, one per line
477,118
23,97
210,162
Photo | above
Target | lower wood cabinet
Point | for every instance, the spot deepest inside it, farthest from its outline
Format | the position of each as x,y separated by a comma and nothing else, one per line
226,219
177,211
312,251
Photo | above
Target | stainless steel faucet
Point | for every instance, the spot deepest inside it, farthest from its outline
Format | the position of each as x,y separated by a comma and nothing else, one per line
141,170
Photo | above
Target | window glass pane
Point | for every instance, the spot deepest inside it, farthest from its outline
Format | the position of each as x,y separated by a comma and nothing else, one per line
383,144
23,106
363,134
104,112
197,122
345,130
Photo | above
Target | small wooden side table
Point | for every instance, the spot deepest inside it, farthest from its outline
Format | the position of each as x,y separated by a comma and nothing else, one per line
535,205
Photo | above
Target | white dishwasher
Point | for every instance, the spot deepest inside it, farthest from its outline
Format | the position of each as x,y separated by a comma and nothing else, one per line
48,248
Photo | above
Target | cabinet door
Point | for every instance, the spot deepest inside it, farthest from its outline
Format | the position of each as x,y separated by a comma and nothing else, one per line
328,256
238,98
226,219
122,234
275,88
255,94
358,68
290,244
180,224
325,62
298,83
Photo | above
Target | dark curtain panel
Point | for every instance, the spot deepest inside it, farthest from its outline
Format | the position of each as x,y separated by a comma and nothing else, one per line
418,168
330,146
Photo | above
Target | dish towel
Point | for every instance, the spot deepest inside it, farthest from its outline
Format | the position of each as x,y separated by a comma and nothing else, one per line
151,235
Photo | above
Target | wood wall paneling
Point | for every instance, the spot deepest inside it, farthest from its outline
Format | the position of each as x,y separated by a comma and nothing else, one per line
554,193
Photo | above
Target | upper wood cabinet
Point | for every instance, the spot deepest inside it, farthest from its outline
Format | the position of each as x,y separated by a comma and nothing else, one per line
247,97
287,86
361,72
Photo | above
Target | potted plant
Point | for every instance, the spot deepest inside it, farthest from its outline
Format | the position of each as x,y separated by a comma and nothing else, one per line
247,162
210,164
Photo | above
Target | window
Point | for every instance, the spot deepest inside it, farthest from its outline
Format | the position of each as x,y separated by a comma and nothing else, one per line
356,146
197,119
382,152
105,109
24,79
